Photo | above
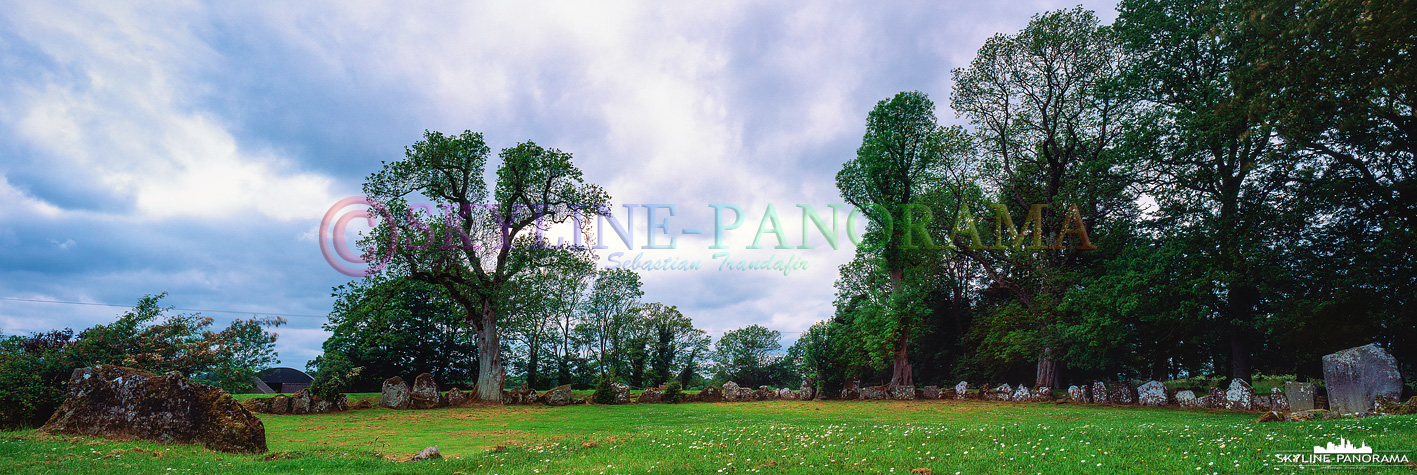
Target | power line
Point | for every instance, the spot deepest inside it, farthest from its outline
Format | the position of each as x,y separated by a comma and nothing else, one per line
96,304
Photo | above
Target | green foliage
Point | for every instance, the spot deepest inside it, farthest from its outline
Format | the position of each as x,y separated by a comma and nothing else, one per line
745,355
604,394
673,392
390,327
336,376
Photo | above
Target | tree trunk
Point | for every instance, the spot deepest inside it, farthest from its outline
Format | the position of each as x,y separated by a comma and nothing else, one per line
531,363
1047,370
900,370
1239,358
489,372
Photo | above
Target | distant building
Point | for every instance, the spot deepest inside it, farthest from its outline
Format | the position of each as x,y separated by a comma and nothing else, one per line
282,380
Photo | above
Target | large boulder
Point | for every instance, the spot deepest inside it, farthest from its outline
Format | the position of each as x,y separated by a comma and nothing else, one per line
1187,398
786,394
874,393
395,394
1215,399
558,396
1041,394
1240,396
1356,376
1021,394
425,393
1300,395
711,394
852,389
300,402
280,404
1001,393
808,390
1099,392
765,393
962,390
1277,401
622,392
730,391
930,392
521,395
125,403
1079,394
1122,393
1153,393
649,396
454,398
900,392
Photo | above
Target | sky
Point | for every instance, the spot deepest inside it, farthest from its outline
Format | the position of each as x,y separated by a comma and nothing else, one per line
194,148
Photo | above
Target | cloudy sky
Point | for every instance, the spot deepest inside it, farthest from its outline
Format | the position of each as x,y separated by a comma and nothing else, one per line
193,148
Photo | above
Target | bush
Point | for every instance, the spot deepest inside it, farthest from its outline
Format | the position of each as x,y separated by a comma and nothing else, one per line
673,392
334,375
603,393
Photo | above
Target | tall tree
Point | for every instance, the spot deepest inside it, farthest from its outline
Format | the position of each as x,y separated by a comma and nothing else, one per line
743,355
481,240
1050,111
608,315
903,153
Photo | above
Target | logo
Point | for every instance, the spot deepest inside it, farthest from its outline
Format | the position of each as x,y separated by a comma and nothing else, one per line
1342,455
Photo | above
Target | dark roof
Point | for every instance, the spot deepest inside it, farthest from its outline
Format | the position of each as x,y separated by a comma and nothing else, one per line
285,375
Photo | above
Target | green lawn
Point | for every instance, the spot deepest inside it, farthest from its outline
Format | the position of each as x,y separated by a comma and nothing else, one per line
969,437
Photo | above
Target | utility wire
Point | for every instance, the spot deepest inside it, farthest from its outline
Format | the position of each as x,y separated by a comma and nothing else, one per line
96,304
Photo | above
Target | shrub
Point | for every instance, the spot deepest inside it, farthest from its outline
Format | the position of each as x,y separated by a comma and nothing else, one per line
673,392
603,393
335,376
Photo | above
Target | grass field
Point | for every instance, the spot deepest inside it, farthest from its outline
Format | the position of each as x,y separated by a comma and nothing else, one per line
946,437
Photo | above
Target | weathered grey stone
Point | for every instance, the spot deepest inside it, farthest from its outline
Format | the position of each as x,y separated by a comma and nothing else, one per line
425,392
851,390
711,394
1355,376
1300,395
1153,393
1277,400
455,397
930,392
747,394
962,390
649,396
765,393
786,393
395,394
280,404
1240,396
1263,403
1078,394
1021,394
300,402
1122,393
1305,415
1099,393
558,396
622,392
430,453
808,390
1041,394
125,403
901,392
520,395
874,393
1187,398
1214,400
730,391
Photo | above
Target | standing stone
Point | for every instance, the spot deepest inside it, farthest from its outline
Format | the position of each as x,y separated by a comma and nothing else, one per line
1041,394
786,393
1122,393
808,389
1002,392
1078,394
455,397
1099,392
1240,396
425,392
622,392
125,403
874,393
764,393
711,394
300,402
1153,393
730,391
1300,396
1214,400
1355,376
930,392
280,404
1277,401
747,394
649,396
852,389
1021,394
558,396
961,390
395,394
1187,398
901,392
